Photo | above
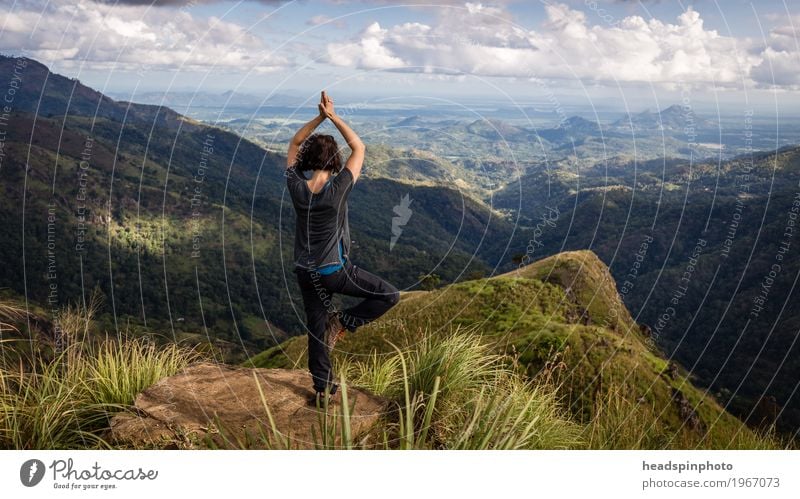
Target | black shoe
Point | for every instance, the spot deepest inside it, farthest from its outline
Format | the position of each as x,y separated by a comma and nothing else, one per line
317,399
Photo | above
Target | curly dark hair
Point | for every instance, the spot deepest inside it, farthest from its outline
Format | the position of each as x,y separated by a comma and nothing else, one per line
319,152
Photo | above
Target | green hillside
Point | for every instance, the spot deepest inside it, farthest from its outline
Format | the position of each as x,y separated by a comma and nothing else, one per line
562,311
184,228
735,318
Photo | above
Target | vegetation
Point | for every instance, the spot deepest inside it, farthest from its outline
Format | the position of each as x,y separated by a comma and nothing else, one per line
448,391
596,359
454,393
65,400
726,228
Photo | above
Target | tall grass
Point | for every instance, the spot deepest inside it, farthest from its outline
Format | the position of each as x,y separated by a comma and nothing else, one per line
9,312
514,414
620,423
377,374
451,391
65,400
409,436
117,370
460,360
448,392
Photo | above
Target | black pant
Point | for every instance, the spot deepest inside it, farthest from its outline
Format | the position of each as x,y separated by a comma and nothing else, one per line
318,289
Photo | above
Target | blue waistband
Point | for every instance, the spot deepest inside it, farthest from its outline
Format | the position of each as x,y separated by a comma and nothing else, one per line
333,267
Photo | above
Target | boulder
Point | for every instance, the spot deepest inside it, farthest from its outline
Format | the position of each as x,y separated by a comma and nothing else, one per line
216,405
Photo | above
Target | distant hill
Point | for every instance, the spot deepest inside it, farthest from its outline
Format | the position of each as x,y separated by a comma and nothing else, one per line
573,129
183,100
411,121
674,117
496,130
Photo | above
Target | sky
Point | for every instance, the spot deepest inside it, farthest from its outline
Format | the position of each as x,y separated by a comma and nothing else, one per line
607,52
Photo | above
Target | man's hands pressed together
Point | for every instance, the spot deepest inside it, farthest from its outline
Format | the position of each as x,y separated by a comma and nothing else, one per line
326,106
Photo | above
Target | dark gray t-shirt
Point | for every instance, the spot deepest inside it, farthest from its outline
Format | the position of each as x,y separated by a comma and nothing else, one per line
322,220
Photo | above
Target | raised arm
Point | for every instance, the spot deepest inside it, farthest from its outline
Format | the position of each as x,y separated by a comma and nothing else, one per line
300,136
356,159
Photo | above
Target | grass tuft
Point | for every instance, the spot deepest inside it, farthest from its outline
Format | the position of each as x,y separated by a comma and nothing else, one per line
65,400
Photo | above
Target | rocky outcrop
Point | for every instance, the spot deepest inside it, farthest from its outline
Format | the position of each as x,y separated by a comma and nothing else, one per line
587,283
217,405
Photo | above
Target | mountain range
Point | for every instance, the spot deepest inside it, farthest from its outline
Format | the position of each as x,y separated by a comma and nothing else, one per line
185,232
230,99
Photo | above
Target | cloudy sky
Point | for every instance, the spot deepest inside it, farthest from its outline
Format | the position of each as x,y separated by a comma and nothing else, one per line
714,50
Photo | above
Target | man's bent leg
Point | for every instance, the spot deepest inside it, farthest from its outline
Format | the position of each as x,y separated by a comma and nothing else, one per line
379,296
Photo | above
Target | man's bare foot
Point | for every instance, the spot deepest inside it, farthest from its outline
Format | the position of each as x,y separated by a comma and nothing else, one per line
334,331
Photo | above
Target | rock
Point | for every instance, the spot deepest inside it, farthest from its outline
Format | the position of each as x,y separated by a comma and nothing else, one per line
672,370
766,412
220,405
687,413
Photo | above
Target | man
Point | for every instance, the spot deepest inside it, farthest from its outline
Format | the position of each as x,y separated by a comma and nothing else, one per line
322,244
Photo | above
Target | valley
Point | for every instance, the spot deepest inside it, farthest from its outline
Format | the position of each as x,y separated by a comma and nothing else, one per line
178,221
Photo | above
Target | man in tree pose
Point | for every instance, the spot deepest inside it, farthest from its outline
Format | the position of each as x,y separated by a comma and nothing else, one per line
322,243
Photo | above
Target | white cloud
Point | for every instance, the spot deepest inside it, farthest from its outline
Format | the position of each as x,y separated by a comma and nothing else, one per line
470,38
481,40
780,65
67,31
780,68
367,52
323,19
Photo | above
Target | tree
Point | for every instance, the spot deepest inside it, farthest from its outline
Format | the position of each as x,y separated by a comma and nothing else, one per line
429,281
